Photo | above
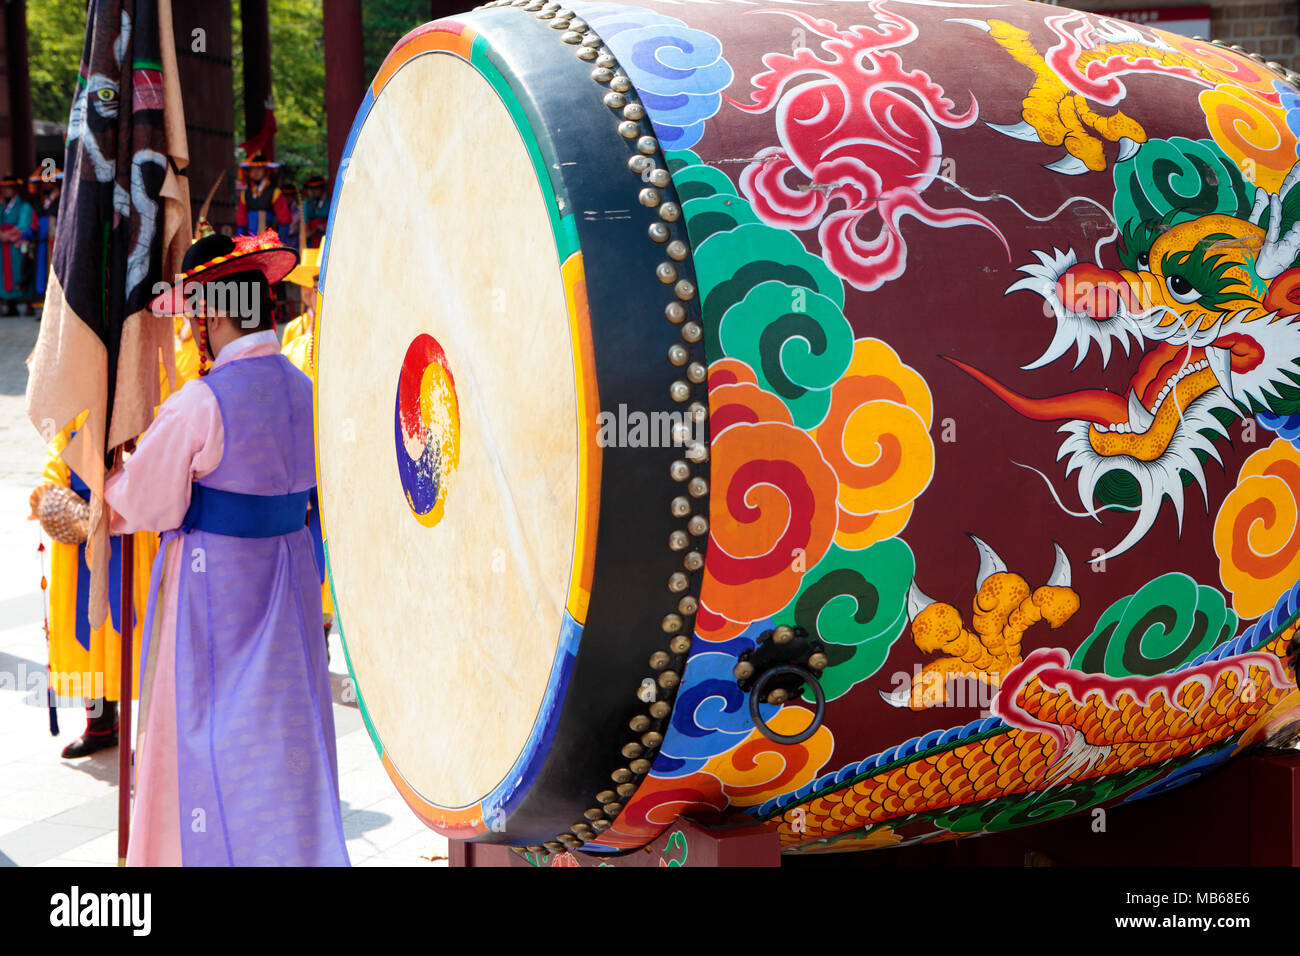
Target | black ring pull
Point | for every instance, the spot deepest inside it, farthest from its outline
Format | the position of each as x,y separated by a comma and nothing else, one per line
756,698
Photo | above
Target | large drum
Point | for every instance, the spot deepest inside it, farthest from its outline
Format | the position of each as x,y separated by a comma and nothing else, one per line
875,420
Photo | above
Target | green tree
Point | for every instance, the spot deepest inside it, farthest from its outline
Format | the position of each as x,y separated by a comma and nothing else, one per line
384,22
298,83
56,32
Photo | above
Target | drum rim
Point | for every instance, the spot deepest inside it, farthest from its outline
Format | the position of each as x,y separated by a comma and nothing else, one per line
456,37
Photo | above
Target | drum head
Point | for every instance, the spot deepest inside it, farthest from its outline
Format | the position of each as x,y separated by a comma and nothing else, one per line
448,424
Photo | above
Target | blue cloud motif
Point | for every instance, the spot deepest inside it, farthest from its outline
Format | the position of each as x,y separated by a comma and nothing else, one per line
710,714
1287,426
678,71
1291,103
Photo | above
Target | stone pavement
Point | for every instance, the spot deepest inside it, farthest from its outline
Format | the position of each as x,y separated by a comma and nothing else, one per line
56,812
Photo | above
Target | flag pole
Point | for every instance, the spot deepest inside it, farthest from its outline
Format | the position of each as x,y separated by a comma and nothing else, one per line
124,739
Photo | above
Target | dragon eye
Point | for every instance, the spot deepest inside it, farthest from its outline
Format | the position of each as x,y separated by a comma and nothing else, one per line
1144,261
106,95
1181,289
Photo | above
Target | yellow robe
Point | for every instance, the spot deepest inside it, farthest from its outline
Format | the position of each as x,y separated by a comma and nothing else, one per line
296,346
95,671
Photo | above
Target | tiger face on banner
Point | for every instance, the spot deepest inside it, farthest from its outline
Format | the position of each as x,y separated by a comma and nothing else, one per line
1002,311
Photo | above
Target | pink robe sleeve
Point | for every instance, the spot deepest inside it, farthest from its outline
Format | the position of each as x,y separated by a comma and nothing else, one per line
151,492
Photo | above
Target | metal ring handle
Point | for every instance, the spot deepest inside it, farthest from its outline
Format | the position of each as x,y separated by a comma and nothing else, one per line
756,697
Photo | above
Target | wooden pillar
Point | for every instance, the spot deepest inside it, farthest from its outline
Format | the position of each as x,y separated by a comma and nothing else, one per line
21,158
203,59
345,79
255,24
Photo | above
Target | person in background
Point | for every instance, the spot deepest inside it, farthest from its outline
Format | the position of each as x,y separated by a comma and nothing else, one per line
261,205
290,230
46,191
315,208
17,229
86,662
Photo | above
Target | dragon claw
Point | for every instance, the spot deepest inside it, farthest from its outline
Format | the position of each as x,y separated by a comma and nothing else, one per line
917,601
990,562
1060,577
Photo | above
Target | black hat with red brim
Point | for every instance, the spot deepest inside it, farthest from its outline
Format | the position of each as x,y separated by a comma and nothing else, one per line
216,257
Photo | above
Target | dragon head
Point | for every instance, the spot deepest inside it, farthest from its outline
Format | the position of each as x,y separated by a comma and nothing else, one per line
1208,291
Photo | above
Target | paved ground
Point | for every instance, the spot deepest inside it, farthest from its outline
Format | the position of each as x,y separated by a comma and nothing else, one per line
56,812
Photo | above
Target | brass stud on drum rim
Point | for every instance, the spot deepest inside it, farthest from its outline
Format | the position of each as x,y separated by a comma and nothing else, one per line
693,561
622,84
649,196
679,507
697,373
639,164
615,101
659,709
818,661
591,40
640,766
679,391
638,724
678,582
698,526
674,312
652,739
669,679
632,750
685,289
697,488
593,814
659,660
676,249
629,130
678,355
783,634
602,74
697,452
679,470
600,826
621,775
607,61
672,623
648,145
554,846
666,273
572,37
660,178
678,541
635,111
681,643
586,53
743,670
612,809
658,231
626,790
670,212
605,796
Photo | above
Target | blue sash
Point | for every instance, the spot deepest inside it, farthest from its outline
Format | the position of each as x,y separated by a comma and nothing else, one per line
239,515
244,516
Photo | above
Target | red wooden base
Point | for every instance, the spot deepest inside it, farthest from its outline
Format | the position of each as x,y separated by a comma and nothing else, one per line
685,843
1247,814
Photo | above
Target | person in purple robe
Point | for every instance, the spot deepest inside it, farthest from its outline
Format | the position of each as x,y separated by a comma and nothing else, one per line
236,762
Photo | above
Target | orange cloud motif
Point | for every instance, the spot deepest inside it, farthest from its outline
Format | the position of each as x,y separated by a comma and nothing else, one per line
876,436
1257,530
